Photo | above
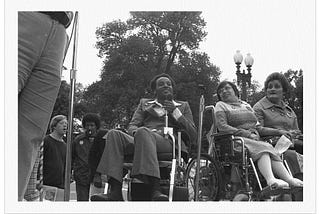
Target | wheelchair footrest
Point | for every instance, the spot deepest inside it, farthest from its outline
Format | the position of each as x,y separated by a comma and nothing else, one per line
270,191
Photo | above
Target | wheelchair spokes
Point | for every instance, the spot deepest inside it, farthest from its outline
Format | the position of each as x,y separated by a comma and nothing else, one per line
209,179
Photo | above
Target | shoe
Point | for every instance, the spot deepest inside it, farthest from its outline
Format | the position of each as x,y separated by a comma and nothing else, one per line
295,182
105,197
277,183
158,196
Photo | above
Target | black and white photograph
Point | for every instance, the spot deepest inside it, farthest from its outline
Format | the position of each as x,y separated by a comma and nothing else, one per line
160,106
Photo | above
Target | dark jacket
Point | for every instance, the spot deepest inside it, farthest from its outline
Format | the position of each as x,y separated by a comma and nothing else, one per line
80,152
96,151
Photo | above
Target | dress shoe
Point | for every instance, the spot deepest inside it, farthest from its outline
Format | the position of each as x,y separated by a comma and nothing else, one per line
106,197
158,196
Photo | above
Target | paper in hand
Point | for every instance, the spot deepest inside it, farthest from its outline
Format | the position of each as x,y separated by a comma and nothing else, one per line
283,144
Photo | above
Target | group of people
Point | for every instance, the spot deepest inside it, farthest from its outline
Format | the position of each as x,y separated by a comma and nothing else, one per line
269,118
100,152
83,160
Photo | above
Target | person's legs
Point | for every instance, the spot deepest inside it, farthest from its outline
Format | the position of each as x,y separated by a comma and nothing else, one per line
265,167
292,158
280,170
147,145
41,44
145,163
118,144
82,192
32,194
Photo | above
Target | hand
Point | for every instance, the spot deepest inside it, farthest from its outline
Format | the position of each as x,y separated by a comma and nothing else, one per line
169,106
288,134
254,137
97,181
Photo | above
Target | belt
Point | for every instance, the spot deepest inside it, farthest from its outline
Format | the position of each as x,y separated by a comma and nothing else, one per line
64,18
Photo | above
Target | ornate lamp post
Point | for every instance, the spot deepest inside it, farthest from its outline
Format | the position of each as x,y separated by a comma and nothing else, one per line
243,78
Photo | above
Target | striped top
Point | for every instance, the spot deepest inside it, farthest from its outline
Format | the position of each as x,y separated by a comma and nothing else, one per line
237,118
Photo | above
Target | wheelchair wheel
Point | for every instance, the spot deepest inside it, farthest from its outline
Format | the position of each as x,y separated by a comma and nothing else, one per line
209,179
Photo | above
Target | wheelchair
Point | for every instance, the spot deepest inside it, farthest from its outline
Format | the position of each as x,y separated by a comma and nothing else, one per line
209,176
172,173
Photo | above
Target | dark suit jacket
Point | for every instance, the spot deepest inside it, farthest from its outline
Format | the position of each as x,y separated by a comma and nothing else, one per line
96,151
147,116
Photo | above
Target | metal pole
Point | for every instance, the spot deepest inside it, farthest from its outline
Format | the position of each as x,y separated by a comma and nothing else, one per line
201,109
244,88
73,72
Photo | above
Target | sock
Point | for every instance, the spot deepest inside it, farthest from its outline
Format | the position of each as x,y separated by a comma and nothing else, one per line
116,187
155,184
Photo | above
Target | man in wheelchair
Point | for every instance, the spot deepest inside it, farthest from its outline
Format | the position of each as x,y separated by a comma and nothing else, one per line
146,140
237,117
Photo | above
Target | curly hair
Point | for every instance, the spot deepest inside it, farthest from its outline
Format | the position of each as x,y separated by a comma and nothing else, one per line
223,84
153,82
91,117
282,79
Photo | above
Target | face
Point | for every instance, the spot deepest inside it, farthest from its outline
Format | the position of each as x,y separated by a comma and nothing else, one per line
61,127
164,88
274,91
91,128
227,93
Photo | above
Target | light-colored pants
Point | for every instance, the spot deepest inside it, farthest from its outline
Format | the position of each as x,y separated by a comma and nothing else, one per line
41,46
145,146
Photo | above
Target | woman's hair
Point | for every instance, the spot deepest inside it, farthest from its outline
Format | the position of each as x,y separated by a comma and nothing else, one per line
55,120
282,79
153,82
91,117
223,84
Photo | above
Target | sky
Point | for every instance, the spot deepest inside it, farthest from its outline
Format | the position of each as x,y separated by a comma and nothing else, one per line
279,35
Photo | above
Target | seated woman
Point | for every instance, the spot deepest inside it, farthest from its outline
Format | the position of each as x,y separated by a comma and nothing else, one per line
236,116
273,113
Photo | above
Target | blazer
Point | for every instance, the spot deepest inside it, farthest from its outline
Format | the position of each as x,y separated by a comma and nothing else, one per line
150,114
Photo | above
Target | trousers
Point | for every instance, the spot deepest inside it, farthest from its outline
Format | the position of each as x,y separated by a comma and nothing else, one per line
41,46
144,146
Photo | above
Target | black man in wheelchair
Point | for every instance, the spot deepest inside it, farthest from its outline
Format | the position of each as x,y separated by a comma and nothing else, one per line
237,117
146,140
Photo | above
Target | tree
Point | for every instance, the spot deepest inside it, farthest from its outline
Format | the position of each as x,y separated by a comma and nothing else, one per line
61,105
294,97
147,44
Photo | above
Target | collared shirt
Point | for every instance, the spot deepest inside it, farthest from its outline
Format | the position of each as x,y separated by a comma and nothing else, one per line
275,116
161,111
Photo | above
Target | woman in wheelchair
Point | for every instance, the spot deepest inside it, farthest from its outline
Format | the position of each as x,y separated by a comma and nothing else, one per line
272,112
237,117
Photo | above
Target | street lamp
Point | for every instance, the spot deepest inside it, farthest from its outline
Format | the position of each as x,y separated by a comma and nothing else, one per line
243,78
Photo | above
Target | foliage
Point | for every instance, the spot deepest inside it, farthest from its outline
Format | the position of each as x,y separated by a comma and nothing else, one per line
61,105
294,97
147,44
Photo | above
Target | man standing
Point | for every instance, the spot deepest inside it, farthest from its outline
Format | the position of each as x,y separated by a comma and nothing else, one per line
41,46
145,140
80,155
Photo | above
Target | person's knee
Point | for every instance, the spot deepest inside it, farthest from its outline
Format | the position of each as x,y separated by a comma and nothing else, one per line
113,134
141,132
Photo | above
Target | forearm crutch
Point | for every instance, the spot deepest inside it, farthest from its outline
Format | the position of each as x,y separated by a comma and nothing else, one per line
201,110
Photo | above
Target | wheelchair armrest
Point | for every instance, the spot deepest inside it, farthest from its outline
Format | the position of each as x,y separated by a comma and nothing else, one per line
220,135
